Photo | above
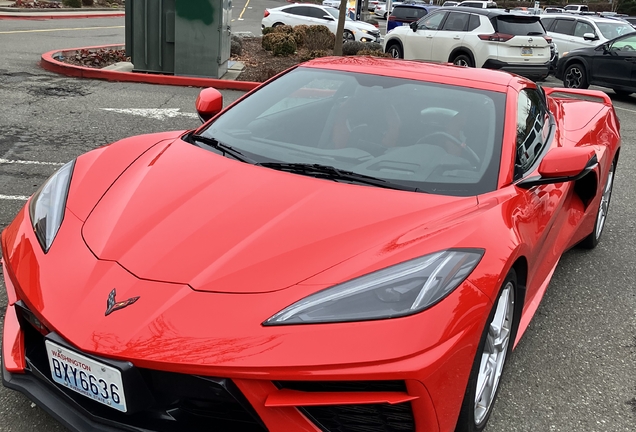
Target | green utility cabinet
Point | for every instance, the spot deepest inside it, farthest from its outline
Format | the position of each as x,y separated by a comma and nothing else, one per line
180,37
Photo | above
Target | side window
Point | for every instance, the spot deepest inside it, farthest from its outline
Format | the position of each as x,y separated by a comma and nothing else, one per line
547,23
625,44
317,13
297,10
456,21
582,28
564,26
474,22
532,130
432,21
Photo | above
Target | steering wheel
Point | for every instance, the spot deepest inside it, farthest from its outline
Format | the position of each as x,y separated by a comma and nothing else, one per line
466,152
628,48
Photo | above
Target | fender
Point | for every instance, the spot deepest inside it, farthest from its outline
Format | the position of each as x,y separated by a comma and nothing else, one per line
461,50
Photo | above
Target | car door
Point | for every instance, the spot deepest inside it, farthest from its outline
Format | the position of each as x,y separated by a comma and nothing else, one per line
296,15
320,16
539,220
615,63
450,36
582,28
418,44
562,32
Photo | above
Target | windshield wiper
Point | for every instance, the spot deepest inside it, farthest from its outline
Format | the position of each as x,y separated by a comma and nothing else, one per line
226,149
333,173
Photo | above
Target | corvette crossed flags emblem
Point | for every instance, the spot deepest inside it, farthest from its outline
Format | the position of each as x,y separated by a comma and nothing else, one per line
112,305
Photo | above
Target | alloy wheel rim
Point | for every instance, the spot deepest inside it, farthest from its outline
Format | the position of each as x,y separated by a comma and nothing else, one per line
461,62
574,78
494,354
394,52
604,206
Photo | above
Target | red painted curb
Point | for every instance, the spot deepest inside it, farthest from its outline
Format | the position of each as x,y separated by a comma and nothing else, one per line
49,63
58,16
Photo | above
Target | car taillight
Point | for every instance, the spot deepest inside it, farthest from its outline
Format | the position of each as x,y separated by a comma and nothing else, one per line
547,38
496,37
266,13
391,18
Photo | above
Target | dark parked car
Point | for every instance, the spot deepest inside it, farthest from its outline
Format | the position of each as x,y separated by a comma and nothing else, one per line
405,14
612,64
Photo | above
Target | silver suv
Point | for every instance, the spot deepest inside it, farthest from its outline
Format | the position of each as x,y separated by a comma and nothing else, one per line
571,31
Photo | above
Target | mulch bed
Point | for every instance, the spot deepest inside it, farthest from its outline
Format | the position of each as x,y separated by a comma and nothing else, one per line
260,65
44,4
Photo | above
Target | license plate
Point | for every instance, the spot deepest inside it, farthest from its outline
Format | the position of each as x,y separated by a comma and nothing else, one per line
88,377
526,51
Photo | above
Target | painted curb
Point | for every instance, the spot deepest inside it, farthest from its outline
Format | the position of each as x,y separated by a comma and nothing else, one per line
57,16
49,63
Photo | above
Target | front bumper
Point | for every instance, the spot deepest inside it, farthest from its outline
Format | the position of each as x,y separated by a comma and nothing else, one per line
275,386
526,70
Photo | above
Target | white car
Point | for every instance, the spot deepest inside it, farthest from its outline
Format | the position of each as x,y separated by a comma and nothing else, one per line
582,31
488,38
479,4
332,3
309,14
380,9
576,9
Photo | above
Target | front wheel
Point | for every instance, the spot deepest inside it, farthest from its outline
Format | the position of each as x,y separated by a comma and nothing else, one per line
492,353
593,238
575,77
395,50
463,60
348,36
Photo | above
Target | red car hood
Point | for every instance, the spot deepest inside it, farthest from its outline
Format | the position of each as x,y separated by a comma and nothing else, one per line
185,215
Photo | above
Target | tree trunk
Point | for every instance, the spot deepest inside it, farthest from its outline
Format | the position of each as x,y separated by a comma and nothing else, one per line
337,48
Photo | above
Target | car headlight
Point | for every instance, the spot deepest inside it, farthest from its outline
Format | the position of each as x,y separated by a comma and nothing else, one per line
396,291
365,31
47,205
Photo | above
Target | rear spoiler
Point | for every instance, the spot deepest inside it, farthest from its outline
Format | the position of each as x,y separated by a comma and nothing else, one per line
596,94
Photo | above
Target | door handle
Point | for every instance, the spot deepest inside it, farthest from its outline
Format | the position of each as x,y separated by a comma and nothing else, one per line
630,59
456,37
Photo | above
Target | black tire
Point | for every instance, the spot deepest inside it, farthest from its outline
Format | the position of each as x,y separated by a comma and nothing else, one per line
472,417
278,24
395,50
594,237
463,60
384,15
575,76
348,36
622,92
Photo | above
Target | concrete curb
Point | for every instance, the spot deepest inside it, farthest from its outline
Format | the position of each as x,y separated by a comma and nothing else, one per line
8,13
49,63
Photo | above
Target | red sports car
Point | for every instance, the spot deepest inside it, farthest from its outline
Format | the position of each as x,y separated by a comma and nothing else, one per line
298,265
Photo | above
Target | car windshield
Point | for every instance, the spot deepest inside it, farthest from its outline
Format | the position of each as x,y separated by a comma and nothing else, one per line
614,29
409,133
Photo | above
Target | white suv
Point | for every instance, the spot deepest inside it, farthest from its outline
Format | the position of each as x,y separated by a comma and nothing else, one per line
488,38
570,32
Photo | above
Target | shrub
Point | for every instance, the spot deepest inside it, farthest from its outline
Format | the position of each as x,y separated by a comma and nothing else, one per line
352,47
374,53
269,39
268,30
235,48
87,2
300,34
373,46
72,3
284,46
319,38
287,29
306,55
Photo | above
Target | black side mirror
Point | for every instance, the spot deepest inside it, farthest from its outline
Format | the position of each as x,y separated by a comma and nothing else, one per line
413,25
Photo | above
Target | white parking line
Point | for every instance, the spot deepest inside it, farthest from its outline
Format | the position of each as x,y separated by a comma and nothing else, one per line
24,162
14,197
624,109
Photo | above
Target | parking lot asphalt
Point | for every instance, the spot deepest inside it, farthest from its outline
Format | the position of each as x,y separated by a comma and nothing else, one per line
574,370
